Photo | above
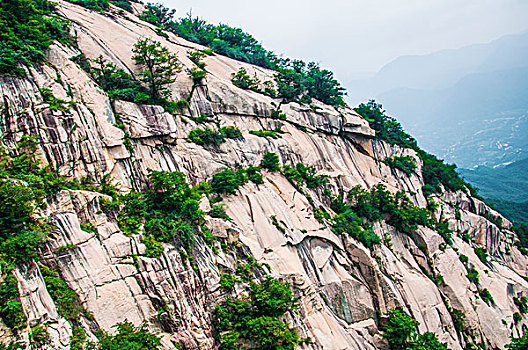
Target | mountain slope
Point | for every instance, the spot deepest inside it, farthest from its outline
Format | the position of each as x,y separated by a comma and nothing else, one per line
283,227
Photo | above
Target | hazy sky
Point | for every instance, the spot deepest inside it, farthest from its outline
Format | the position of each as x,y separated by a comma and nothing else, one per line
352,37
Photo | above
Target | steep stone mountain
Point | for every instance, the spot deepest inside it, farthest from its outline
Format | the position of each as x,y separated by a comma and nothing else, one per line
343,287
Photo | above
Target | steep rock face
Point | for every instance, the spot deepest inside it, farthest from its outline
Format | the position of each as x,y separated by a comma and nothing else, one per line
344,288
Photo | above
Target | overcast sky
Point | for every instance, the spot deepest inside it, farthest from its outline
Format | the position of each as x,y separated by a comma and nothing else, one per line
353,37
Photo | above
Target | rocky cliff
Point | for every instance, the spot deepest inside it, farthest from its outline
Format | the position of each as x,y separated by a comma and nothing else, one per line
344,288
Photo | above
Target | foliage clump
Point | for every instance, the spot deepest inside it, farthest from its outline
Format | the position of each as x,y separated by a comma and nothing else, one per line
228,280
103,5
256,319
270,161
520,343
168,210
24,183
347,222
399,209
401,332
11,310
243,80
128,337
407,164
301,174
27,29
68,303
207,136
228,181
274,134
118,84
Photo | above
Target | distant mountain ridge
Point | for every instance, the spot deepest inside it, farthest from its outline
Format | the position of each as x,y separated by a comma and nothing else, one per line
467,105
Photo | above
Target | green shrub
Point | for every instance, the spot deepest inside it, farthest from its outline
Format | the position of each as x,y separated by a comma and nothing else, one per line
459,319
128,337
196,57
20,233
228,181
436,173
27,29
227,281
169,210
386,127
197,75
209,136
407,164
401,212
243,80
270,161
401,332
218,211
271,333
96,5
522,304
485,295
55,104
400,329
254,175
200,120
39,336
298,81
520,343
11,310
442,227
349,223
301,174
88,227
266,133
464,259
276,223
66,299
276,114
13,346
473,276
157,15
482,254
118,84
231,132
257,319
78,338
206,136
154,248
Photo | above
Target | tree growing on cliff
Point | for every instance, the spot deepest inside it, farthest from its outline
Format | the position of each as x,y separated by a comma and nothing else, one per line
401,332
159,67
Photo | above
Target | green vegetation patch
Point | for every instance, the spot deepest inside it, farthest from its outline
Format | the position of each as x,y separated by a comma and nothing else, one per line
434,171
128,337
295,80
401,332
399,209
257,320
407,164
270,161
168,210
27,29
11,310
207,136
